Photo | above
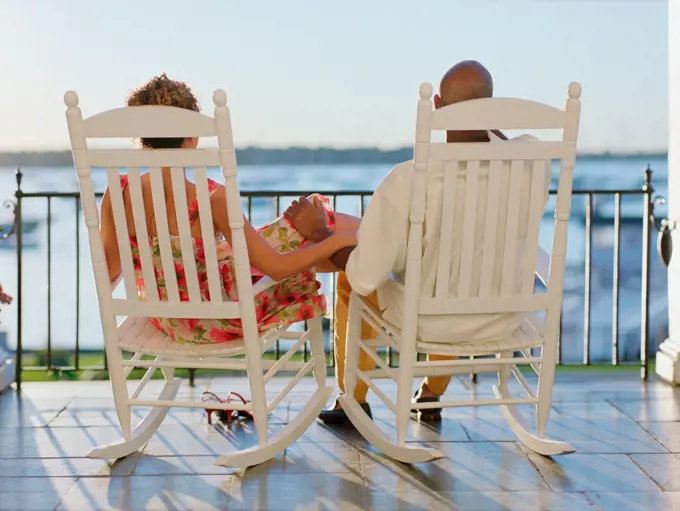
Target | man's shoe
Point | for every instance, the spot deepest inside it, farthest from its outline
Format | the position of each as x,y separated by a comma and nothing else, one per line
427,414
337,416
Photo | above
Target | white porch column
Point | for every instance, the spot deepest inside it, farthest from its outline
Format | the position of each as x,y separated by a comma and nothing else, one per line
668,356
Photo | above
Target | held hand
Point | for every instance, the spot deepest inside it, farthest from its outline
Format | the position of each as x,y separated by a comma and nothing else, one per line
308,219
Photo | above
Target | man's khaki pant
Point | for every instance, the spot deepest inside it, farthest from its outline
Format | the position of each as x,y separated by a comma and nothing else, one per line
436,384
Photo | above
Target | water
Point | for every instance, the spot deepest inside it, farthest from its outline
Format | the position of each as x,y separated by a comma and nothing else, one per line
601,173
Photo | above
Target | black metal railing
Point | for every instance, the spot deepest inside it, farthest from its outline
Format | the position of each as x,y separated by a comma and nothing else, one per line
589,196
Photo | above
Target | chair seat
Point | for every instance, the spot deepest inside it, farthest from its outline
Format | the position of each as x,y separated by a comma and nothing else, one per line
526,335
138,335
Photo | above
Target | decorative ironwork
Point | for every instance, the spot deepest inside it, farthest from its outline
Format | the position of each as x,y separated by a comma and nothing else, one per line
665,227
9,204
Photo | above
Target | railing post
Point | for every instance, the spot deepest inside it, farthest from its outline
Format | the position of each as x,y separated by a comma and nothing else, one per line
616,287
648,190
19,228
77,304
277,212
588,279
48,359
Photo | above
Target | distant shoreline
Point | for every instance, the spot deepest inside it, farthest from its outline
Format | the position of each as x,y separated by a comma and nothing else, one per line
289,156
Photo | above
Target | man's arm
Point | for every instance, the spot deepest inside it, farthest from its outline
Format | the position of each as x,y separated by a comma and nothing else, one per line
110,241
381,243
340,258
381,237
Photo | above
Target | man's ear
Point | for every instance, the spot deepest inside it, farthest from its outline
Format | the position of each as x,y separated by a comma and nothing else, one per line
437,102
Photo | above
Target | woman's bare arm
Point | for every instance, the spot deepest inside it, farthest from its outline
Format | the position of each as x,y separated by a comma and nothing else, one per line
264,257
108,229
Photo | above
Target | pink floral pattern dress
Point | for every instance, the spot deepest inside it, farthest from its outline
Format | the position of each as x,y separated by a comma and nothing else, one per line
289,301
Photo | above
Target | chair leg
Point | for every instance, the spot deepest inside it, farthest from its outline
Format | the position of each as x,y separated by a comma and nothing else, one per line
371,432
407,358
144,430
546,383
258,395
120,391
318,352
168,373
504,371
267,448
284,438
357,415
536,442
518,426
260,413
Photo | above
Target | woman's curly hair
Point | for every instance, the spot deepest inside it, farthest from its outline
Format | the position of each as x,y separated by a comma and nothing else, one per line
162,91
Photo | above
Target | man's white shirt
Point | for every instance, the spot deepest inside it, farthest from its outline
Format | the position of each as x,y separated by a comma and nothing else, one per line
378,262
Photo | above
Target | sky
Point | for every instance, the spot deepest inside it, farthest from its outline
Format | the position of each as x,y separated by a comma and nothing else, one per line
339,74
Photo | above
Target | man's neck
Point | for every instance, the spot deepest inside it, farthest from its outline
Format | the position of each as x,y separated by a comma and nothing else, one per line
466,136
473,136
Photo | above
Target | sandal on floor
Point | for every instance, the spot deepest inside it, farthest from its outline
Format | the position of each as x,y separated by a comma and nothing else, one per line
225,416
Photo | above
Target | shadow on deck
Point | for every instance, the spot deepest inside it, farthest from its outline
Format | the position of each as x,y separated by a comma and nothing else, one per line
627,434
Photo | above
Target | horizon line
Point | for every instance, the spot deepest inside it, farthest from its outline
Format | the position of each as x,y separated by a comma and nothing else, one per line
585,152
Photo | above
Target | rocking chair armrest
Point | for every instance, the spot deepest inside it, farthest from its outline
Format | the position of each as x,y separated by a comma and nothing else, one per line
543,266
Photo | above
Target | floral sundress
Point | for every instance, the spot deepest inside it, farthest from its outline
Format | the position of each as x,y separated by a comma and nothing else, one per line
294,299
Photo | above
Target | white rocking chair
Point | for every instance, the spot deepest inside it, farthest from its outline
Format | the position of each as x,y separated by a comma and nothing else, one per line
515,294
135,334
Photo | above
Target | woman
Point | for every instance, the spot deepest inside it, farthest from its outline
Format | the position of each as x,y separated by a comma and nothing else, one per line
276,250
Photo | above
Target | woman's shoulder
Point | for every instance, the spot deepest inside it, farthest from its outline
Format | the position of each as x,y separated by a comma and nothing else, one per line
123,180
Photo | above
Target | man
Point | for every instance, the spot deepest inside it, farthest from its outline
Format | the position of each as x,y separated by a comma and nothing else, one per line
381,251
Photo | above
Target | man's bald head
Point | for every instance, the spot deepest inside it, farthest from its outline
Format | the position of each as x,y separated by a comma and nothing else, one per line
464,81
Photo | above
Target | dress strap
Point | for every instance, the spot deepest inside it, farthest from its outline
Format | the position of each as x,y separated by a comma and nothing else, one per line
193,207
